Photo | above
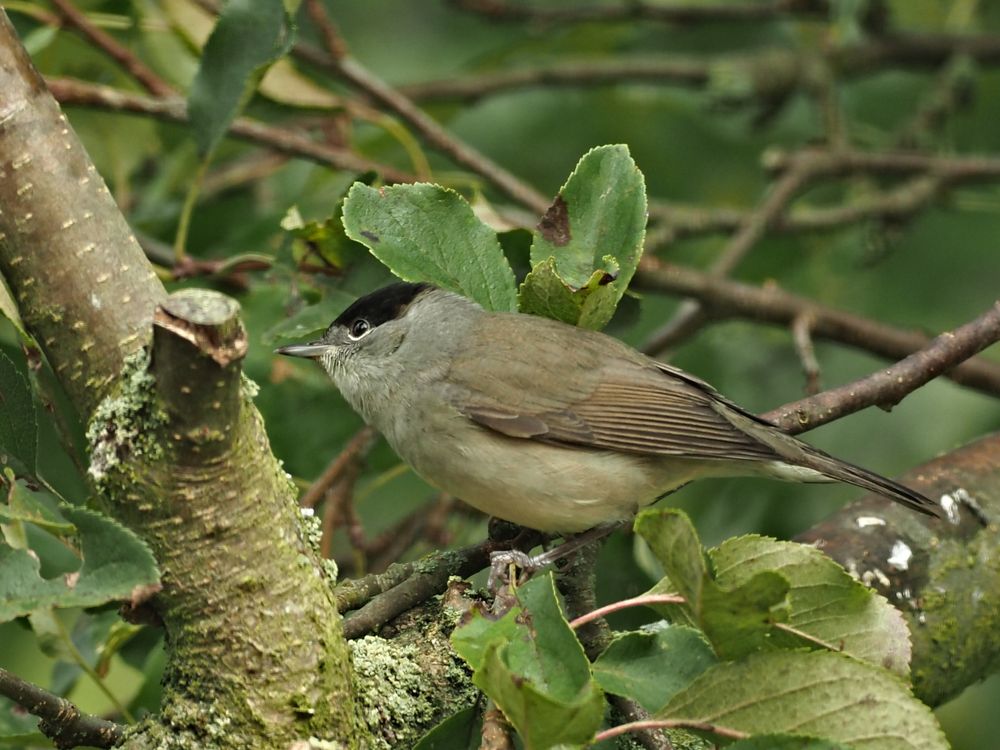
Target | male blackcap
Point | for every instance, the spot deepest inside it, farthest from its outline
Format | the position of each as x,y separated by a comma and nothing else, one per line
550,426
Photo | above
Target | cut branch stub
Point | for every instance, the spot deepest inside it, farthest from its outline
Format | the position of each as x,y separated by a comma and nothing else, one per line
198,344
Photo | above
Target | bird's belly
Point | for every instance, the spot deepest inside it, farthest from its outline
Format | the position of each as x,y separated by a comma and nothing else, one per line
542,486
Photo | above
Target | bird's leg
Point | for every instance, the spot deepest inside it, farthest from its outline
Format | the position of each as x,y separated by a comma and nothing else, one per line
501,560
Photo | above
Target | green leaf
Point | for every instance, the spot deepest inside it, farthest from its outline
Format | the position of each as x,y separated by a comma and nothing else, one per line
311,320
825,602
248,37
737,619
18,421
591,237
541,719
651,665
460,731
24,506
115,564
812,693
427,233
533,667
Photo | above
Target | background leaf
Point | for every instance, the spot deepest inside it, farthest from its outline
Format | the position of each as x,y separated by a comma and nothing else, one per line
428,233
18,421
115,562
814,693
248,37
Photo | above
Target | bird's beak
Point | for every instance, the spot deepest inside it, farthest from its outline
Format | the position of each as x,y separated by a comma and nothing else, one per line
309,351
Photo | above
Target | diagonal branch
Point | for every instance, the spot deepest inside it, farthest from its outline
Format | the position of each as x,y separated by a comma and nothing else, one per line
725,298
61,721
888,387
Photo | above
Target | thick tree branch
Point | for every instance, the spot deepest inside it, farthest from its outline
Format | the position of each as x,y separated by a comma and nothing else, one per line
724,298
942,574
61,721
61,232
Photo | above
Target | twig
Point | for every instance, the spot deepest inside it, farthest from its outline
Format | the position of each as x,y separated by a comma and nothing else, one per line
353,452
496,731
767,10
771,304
802,336
61,721
651,738
135,67
405,585
576,578
850,161
72,92
692,315
351,71
888,387
638,601
697,726
895,204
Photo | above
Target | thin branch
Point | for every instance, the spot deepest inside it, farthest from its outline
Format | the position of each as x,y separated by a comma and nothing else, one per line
888,387
497,733
696,726
767,10
770,74
651,738
135,67
61,721
350,70
692,315
404,585
638,601
802,336
959,168
353,452
71,92
771,304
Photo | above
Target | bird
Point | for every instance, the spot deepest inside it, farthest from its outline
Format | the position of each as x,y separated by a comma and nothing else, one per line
544,424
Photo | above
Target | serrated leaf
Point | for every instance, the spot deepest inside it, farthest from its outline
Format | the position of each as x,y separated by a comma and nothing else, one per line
812,693
533,667
651,665
425,232
24,506
18,420
115,563
593,230
825,602
248,37
541,719
460,731
737,619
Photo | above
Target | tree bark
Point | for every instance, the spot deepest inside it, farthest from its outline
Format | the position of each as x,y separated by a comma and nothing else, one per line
256,654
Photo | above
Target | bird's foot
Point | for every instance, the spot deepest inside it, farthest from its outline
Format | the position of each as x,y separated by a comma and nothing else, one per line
502,562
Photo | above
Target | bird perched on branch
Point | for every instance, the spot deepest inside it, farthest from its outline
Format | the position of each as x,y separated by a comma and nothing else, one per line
549,426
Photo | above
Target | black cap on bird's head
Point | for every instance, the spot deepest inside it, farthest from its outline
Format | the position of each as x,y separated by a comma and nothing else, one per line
364,315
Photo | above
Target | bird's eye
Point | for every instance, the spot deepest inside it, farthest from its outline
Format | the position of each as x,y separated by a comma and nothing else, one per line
359,328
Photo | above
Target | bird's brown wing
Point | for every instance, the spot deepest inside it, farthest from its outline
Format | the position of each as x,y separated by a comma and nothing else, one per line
626,402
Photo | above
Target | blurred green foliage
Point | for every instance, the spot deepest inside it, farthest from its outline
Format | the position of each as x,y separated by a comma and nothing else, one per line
932,271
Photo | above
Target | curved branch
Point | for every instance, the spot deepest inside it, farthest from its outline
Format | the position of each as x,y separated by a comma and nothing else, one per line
724,298
61,721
